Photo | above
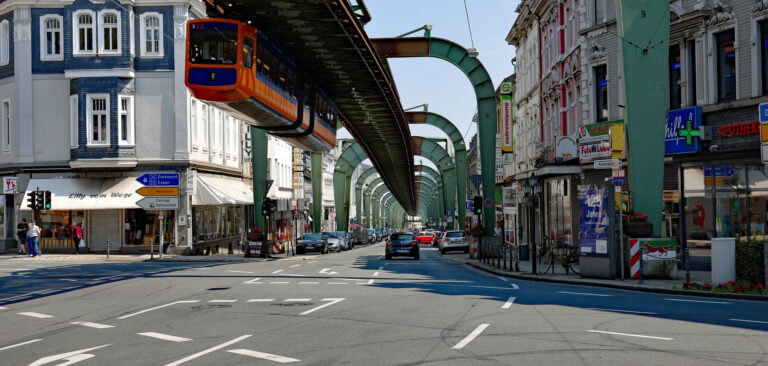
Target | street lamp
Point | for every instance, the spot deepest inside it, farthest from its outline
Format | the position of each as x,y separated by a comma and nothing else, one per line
533,187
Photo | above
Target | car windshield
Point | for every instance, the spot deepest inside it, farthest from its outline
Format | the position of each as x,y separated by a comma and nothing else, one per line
313,236
401,237
455,234
332,234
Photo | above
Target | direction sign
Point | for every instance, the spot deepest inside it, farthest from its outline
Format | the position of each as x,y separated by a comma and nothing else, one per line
720,171
607,164
618,181
159,179
469,205
266,184
488,202
477,179
158,191
764,113
159,203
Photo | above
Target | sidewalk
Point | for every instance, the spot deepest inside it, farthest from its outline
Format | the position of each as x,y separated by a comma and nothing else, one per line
648,285
102,258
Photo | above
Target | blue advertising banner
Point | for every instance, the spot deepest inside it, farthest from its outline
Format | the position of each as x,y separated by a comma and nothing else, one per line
593,220
682,134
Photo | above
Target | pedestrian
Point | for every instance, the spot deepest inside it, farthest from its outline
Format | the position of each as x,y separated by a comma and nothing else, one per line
498,231
77,235
21,233
34,239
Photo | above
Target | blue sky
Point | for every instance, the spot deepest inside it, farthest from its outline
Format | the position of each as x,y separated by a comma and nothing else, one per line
436,82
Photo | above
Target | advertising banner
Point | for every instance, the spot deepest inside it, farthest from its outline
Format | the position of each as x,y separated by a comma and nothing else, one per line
657,249
595,140
593,220
507,117
682,134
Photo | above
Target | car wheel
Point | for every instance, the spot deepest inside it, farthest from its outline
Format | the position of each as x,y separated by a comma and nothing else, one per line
388,256
299,250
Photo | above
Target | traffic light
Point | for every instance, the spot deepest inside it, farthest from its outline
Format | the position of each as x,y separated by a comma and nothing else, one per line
39,200
478,205
272,206
265,206
47,200
32,200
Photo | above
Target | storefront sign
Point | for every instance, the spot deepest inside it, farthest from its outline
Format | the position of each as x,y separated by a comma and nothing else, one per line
508,196
607,164
593,219
508,159
566,148
682,135
595,140
498,196
657,249
9,185
739,129
507,119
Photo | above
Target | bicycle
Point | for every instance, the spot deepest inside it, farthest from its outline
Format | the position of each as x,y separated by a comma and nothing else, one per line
566,255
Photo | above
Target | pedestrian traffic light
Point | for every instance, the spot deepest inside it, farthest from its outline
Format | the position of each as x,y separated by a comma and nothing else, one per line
265,206
47,200
39,200
478,205
32,200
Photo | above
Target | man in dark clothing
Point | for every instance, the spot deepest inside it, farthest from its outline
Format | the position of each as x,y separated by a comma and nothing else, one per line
21,233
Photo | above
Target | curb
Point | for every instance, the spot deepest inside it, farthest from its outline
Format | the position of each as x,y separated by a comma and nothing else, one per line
670,291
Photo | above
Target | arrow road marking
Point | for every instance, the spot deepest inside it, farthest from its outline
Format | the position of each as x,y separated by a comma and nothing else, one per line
72,357
20,344
480,328
253,280
631,335
266,356
332,301
508,303
158,307
93,325
209,350
166,337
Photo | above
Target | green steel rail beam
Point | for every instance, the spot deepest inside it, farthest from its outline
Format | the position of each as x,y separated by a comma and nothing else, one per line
359,188
350,158
437,154
484,92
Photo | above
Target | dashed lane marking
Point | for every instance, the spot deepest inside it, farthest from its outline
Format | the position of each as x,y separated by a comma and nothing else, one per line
309,283
700,301
262,355
295,265
375,274
278,271
222,300
20,344
158,307
166,337
749,321
332,301
312,262
233,271
380,268
2,308
279,283
480,328
338,283
503,279
584,293
631,335
253,280
624,311
209,350
260,300
36,315
294,300
508,303
93,325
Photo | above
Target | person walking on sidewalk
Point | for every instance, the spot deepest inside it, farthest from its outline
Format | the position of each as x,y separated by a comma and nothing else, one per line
77,235
21,233
34,239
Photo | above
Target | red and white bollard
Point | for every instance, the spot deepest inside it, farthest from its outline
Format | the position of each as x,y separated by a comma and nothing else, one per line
634,260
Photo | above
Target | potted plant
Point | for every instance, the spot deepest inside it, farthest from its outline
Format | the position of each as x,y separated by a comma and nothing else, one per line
637,226
255,235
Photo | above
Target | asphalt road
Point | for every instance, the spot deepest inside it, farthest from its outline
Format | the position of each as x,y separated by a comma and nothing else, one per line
354,308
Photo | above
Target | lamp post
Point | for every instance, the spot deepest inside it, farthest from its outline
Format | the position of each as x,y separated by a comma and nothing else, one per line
532,187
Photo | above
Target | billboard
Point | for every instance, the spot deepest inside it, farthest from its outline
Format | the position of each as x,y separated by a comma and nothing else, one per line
593,219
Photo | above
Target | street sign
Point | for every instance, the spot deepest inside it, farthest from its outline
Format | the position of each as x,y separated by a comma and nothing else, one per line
9,185
469,205
159,203
159,179
450,213
618,181
764,153
720,171
763,113
488,202
477,179
158,191
607,164
266,184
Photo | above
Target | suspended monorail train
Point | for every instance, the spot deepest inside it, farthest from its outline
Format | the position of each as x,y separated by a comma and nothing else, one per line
233,67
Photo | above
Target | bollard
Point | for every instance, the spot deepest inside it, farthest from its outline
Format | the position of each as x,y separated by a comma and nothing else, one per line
641,265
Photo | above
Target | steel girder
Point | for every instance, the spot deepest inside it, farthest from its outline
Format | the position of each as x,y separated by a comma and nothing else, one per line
350,158
484,92
437,154
359,188
433,188
316,160
368,192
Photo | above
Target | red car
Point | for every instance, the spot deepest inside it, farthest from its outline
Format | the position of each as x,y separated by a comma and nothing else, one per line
426,238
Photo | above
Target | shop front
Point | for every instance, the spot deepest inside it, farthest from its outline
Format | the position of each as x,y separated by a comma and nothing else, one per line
219,206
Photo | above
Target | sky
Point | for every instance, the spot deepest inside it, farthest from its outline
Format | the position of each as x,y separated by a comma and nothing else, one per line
436,82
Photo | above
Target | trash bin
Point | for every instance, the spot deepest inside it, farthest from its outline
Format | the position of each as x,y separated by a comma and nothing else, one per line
525,252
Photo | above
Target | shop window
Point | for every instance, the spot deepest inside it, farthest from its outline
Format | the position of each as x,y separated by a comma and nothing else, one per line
674,77
56,227
144,227
726,66
51,37
84,28
601,93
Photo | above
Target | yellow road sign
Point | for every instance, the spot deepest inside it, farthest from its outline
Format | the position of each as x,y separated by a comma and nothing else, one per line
158,191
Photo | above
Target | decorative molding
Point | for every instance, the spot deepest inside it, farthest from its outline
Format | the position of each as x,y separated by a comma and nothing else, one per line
180,17
722,12
22,24
759,5
597,50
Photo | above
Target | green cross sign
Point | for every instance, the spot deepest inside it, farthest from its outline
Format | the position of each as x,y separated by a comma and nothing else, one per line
689,132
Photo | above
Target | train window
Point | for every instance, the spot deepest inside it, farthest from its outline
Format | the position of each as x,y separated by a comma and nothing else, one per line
274,64
267,65
259,57
247,52
213,43
282,82
291,83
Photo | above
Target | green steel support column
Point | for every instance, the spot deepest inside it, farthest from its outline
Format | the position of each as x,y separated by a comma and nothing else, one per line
359,188
368,192
350,158
646,84
367,198
317,190
434,152
259,164
484,92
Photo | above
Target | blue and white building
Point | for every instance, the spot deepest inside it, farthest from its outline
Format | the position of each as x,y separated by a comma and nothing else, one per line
92,96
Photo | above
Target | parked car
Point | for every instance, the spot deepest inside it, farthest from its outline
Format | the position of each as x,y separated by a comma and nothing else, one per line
343,236
371,236
334,243
436,239
454,240
360,236
312,241
402,244
425,237
350,240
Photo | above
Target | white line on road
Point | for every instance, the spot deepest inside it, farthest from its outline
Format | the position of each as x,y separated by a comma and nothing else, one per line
311,262
324,270
623,311
207,351
295,265
584,293
749,321
260,300
20,344
36,315
480,328
22,295
297,300
266,356
157,307
15,269
309,283
338,283
380,268
242,272
503,279
166,337
370,282
508,303
228,300
332,301
631,335
253,280
93,325
514,286
3,308
278,271
375,274
279,283
701,301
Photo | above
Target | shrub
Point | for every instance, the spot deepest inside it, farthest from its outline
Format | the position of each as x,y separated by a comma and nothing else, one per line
749,261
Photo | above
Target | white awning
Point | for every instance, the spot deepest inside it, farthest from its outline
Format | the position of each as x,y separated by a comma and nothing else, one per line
212,190
87,193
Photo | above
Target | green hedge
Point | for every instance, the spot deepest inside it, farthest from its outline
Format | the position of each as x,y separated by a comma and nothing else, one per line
749,261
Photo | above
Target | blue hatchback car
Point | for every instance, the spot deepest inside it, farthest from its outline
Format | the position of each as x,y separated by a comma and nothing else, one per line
402,244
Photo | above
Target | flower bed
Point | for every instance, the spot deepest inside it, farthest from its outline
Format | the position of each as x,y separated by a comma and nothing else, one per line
740,287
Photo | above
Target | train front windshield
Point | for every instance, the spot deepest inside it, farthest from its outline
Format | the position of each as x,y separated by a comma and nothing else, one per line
213,43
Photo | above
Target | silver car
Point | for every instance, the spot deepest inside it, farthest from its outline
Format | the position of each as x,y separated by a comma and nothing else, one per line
334,243
453,240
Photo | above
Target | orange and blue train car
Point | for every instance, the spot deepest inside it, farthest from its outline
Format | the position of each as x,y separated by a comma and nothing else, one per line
234,67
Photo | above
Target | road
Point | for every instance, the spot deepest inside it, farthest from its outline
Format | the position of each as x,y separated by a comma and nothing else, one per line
354,308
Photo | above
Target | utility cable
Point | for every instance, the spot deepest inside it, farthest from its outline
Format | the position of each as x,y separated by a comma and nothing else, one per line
466,11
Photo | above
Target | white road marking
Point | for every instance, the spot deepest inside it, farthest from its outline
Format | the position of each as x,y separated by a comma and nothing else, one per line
295,265
20,344
338,283
312,262
508,303
701,301
93,325
222,300
279,283
375,274
584,293
209,350
332,301
480,328
503,279
158,307
380,268
493,287
260,300
294,275
370,282
242,271
266,356
36,315
22,295
297,299
278,271
324,271
15,269
166,337
631,335
3,308
67,279
623,311
309,283
514,286
749,321
253,280
71,357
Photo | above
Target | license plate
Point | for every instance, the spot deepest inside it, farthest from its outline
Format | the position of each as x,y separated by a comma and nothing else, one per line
402,251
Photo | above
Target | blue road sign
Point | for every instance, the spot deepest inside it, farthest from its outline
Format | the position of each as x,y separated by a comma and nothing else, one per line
682,135
721,171
764,113
488,202
450,213
477,179
159,179
469,205
618,181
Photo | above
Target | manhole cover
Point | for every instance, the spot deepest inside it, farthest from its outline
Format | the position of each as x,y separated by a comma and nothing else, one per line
293,304
218,288
203,307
